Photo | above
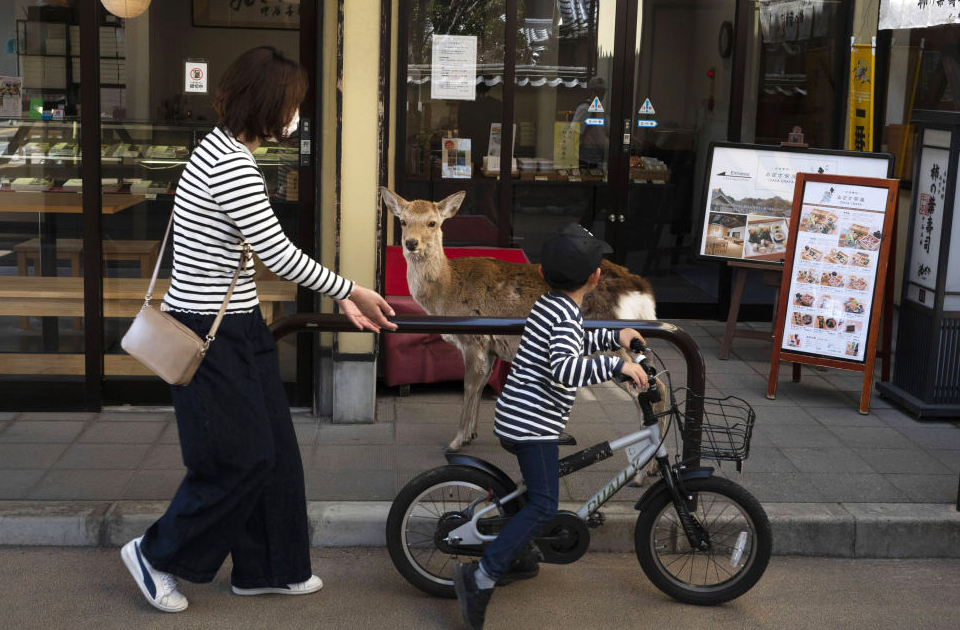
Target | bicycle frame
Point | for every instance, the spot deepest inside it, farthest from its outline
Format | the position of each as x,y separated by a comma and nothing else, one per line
647,443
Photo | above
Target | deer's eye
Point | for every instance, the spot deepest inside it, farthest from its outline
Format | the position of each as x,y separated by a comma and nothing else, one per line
432,224
402,222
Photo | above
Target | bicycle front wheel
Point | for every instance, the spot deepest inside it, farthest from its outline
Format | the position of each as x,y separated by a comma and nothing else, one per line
425,510
740,543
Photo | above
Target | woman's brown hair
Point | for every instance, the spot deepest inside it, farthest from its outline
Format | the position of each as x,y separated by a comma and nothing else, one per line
259,93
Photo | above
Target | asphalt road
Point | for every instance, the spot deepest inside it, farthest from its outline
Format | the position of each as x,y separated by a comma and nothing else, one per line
78,588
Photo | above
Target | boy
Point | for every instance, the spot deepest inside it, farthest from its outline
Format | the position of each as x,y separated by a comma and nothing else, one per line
535,403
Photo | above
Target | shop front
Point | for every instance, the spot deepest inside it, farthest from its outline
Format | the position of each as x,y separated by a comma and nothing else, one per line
100,111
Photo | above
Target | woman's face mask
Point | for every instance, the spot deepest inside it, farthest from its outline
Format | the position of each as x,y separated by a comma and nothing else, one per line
292,127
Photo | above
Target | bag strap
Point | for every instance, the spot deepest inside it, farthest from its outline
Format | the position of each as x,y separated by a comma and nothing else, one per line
244,256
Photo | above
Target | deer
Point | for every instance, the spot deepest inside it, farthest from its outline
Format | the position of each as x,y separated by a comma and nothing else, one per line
489,287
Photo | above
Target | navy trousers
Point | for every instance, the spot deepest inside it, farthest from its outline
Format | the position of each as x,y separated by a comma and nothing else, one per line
243,493
539,465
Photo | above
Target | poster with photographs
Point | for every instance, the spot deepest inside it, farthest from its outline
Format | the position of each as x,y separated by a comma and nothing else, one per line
748,195
834,273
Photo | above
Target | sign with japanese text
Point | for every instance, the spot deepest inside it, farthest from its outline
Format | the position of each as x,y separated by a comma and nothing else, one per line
928,217
247,13
453,67
835,275
195,77
860,133
747,204
918,13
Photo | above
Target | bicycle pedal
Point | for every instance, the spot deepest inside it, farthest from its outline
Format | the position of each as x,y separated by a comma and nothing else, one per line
596,519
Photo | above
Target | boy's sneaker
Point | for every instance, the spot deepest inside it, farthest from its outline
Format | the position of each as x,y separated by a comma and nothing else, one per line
524,566
312,585
158,587
473,600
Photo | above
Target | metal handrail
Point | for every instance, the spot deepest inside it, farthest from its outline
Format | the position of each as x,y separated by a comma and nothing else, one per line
427,324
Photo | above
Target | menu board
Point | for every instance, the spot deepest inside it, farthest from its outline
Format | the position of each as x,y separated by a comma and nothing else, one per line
835,274
834,270
748,192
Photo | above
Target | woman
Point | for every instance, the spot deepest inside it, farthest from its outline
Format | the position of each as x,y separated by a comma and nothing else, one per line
243,494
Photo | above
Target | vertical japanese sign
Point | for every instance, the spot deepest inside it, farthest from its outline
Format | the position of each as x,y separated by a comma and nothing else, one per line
860,134
454,67
928,220
918,13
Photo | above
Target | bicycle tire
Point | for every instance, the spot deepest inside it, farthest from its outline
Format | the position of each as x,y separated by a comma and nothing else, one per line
415,514
732,518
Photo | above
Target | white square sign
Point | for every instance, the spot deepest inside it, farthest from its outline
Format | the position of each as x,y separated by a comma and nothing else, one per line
195,77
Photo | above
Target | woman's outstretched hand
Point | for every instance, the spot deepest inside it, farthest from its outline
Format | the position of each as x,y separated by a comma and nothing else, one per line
367,310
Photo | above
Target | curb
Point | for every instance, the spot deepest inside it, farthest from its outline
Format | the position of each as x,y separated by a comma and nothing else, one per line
838,530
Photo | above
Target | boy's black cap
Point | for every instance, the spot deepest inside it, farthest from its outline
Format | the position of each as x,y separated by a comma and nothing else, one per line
571,255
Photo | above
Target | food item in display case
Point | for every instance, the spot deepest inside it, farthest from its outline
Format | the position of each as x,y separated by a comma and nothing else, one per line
31,184
831,279
803,299
63,149
857,283
860,259
125,150
837,257
853,305
35,148
147,186
811,253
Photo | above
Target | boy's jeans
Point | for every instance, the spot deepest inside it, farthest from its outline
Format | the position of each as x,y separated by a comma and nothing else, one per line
541,473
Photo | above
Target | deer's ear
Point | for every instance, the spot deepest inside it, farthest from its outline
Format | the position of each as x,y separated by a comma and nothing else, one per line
449,206
392,200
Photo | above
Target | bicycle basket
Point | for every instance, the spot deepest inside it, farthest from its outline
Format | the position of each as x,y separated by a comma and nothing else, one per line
725,430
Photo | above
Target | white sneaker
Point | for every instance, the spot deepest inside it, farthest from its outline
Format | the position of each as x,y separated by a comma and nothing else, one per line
158,587
312,585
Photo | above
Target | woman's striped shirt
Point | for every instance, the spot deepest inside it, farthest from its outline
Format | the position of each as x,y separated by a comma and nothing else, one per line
549,367
221,201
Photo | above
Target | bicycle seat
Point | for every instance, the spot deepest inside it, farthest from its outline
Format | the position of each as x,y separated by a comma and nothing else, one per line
564,439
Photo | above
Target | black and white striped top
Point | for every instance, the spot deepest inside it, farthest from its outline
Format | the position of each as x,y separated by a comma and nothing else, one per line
221,201
549,367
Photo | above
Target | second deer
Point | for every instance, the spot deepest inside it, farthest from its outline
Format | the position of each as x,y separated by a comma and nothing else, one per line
488,287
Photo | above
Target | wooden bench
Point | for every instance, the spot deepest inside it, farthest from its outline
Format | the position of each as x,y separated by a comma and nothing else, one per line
144,252
42,296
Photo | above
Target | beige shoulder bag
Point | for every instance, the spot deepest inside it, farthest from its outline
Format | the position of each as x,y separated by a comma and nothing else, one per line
156,339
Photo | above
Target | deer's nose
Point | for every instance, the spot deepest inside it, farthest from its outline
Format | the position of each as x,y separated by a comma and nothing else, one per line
411,244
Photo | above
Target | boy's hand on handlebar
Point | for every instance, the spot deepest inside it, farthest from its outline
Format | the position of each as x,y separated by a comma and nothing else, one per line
629,334
635,373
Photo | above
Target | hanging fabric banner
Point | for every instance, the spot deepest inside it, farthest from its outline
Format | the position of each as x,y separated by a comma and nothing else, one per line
860,133
918,13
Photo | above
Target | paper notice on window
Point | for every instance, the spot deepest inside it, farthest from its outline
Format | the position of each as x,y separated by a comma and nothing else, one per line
454,67
11,103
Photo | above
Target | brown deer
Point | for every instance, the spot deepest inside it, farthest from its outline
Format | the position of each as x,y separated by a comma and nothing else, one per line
488,287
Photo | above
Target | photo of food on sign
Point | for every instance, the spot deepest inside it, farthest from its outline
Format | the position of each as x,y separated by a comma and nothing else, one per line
836,257
803,299
853,305
860,237
831,279
860,259
807,276
819,221
857,283
811,253
766,238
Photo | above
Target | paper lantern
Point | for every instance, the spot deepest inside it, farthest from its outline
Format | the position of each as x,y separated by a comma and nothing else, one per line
126,8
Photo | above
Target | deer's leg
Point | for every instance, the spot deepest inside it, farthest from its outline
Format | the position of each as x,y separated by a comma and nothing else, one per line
476,371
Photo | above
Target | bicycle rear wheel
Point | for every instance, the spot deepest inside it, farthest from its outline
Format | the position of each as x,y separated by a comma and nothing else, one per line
425,510
740,536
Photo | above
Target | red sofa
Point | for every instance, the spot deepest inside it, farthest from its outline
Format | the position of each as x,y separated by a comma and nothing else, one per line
409,358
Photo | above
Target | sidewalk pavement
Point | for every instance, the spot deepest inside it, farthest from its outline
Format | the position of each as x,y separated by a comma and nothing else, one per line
834,482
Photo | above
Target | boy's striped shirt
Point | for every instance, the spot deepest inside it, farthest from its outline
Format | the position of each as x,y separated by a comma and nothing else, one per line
549,367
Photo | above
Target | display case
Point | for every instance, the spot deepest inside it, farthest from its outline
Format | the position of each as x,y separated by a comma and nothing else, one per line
136,157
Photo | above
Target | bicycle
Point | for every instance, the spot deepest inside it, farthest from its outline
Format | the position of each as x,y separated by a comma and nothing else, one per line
700,539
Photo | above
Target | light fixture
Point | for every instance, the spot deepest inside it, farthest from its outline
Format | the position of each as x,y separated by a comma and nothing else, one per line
126,8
